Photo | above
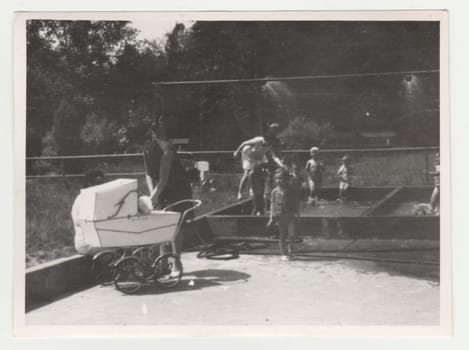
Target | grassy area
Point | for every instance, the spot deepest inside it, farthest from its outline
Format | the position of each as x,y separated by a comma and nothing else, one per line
49,230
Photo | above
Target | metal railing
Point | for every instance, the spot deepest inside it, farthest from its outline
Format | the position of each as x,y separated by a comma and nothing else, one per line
222,162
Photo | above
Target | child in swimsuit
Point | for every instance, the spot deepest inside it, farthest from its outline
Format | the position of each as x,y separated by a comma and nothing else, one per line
314,170
344,174
284,210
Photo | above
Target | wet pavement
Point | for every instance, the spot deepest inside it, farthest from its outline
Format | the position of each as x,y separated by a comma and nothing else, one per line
329,208
338,283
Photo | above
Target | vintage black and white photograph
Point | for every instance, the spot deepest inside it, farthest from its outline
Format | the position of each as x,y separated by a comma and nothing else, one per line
213,170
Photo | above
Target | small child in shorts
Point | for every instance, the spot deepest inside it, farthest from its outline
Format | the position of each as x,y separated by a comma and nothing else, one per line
284,209
435,198
314,170
344,173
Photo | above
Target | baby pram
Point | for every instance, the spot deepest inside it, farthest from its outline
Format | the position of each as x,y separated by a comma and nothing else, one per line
129,242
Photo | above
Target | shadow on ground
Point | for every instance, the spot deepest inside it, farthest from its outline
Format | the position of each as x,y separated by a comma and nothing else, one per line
199,279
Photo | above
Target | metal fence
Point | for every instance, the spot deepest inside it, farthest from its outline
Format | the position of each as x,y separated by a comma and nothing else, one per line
371,166
75,166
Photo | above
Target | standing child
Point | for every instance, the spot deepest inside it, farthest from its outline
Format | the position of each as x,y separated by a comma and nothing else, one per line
344,173
314,170
283,212
435,199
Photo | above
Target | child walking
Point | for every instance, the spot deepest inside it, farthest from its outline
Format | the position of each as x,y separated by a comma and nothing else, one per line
344,173
314,170
284,209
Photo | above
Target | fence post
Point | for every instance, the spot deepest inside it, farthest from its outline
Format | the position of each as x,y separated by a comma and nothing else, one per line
426,168
62,171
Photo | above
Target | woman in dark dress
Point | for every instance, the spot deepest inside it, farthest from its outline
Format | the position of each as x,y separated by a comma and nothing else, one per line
166,178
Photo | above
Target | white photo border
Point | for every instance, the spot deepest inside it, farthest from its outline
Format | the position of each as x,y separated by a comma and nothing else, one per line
20,126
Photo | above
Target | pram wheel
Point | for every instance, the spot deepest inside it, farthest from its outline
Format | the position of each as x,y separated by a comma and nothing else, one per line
129,275
146,256
167,271
101,269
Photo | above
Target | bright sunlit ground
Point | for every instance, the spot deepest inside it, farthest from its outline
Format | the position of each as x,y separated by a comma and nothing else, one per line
262,290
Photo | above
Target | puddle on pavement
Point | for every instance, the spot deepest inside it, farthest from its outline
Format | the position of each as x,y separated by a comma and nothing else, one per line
327,208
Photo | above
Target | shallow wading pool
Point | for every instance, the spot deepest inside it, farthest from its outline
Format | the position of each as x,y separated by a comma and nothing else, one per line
371,212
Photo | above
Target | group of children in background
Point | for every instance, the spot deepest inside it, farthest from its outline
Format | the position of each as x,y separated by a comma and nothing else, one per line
285,196
314,173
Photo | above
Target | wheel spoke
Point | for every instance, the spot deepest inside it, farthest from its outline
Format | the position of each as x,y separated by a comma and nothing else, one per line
129,275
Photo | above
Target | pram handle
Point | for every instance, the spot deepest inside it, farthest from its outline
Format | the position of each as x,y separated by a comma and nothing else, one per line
195,204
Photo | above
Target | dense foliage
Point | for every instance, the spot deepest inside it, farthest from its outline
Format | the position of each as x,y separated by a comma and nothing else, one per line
90,83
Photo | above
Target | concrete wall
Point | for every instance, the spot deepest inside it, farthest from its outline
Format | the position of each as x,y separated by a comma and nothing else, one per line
49,281
379,227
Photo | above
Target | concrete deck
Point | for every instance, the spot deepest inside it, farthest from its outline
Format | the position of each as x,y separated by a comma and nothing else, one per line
262,290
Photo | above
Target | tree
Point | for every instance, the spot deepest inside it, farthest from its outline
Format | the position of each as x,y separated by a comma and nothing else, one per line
303,133
81,71
96,76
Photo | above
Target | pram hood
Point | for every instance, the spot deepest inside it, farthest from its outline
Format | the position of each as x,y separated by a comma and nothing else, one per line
117,198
